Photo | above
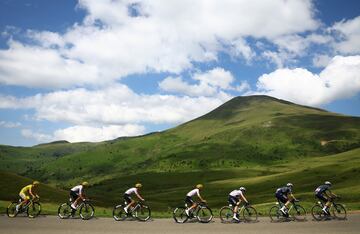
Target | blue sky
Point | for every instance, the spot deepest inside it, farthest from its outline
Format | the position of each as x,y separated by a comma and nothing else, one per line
96,70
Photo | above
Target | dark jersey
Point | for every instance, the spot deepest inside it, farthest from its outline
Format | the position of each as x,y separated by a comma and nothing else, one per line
284,190
322,189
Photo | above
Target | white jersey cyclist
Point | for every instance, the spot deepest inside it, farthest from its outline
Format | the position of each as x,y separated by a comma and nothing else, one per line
236,193
78,189
193,193
127,196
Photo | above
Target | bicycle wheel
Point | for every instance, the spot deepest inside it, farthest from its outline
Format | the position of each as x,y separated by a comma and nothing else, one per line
275,214
64,211
204,214
298,213
143,213
317,212
179,215
11,210
119,213
226,214
87,211
339,211
249,214
33,210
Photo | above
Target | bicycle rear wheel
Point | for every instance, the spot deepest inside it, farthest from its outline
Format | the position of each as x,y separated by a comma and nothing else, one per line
339,211
179,215
143,213
119,213
317,212
11,210
204,214
249,214
298,213
226,214
33,210
87,211
275,214
64,211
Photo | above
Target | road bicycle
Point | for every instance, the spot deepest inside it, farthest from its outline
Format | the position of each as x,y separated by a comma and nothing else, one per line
32,208
337,211
139,211
295,213
246,213
202,213
86,210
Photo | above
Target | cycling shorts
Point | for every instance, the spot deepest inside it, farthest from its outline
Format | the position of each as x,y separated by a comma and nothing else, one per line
73,195
321,197
233,200
189,201
24,196
127,198
281,197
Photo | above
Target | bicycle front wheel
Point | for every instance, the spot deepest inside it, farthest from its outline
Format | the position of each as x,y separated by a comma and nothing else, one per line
226,214
11,210
204,214
317,212
64,211
179,215
339,211
250,214
87,211
119,213
143,213
298,213
33,210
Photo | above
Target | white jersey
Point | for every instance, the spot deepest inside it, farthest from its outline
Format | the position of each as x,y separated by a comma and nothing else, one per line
78,189
193,193
236,193
131,191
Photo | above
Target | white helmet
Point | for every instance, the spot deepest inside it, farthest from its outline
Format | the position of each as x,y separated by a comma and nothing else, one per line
328,183
242,189
289,185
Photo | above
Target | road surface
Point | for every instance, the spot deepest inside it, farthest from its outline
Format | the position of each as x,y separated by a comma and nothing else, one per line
53,225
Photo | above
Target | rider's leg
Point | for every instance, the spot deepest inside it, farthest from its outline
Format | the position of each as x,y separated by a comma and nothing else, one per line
129,205
236,208
75,203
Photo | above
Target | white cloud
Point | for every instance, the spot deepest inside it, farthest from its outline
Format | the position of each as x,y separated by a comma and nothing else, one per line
340,79
349,38
161,36
7,124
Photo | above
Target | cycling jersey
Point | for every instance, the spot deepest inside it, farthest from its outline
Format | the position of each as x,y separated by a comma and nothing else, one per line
322,189
132,191
236,193
193,193
78,189
284,191
26,189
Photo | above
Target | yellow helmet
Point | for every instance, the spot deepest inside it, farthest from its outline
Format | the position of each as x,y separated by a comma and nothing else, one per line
138,185
86,184
199,186
36,182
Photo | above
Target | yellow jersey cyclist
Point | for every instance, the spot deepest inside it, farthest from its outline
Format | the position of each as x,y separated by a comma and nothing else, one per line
323,196
77,193
285,196
190,202
235,198
27,193
127,196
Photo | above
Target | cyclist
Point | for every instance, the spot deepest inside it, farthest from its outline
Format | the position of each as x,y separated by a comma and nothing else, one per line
285,196
320,193
77,193
235,198
190,202
127,196
26,192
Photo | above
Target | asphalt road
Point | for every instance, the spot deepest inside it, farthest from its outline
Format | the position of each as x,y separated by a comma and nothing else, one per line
53,225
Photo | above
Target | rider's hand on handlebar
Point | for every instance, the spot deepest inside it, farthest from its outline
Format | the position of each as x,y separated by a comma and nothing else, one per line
296,200
204,201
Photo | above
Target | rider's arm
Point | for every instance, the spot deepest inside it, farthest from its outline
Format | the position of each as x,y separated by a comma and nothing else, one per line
82,194
198,194
292,196
138,195
243,198
32,193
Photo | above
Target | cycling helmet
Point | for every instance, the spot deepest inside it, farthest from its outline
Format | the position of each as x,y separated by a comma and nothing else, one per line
138,185
85,184
36,182
199,186
327,183
242,189
289,185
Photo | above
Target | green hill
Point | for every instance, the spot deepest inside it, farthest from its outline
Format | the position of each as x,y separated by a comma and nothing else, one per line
257,141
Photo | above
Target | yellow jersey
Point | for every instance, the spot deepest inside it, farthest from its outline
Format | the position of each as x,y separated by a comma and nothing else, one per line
26,189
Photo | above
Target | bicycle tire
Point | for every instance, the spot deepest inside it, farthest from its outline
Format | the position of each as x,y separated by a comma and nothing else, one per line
226,214
250,214
317,212
179,215
339,211
298,213
11,209
204,214
33,210
119,213
87,211
64,211
143,213
275,214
